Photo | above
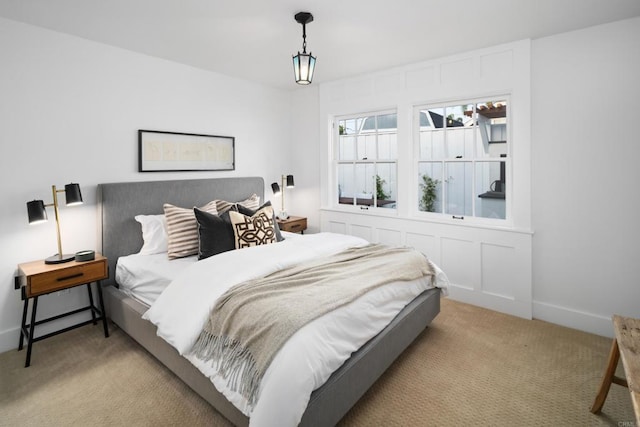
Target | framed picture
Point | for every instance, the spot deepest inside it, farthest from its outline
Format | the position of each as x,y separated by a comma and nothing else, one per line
172,151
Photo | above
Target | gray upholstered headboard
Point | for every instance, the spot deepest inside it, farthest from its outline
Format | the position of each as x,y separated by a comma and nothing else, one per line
119,202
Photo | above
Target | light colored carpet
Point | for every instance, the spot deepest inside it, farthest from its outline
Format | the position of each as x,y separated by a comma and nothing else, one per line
470,367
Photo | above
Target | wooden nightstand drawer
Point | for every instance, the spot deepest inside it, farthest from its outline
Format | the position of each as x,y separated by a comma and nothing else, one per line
55,277
294,224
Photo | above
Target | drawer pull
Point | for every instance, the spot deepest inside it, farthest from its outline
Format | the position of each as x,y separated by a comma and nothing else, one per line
73,276
296,226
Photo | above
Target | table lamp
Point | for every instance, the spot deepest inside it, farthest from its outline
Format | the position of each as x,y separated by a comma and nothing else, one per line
38,214
277,190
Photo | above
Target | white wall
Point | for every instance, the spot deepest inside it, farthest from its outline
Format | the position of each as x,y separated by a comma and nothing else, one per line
70,110
586,200
305,166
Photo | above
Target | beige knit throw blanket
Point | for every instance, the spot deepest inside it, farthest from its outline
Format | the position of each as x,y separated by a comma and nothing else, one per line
252,320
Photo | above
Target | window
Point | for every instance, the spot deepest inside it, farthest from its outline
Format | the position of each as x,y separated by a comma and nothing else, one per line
366,160
462,158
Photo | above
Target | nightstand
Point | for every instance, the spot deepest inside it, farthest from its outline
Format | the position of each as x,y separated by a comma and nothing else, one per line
37,278
293,224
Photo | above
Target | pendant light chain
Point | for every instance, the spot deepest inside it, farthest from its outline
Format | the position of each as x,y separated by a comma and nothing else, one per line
304,38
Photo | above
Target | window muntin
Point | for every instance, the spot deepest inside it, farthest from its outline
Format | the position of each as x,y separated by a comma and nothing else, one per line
366,160
462,158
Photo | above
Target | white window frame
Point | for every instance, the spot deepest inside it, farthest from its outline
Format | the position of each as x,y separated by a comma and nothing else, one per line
336,162
508,161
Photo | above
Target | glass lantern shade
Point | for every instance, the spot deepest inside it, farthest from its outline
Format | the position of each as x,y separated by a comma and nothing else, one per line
304,65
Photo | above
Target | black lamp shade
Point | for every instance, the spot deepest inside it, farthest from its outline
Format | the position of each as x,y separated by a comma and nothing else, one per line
36,211
72,194
275,188
290,181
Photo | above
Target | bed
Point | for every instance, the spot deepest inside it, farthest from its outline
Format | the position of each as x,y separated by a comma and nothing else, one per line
120,236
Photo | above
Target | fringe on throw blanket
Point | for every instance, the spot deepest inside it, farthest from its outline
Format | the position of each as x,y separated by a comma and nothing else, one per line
233,361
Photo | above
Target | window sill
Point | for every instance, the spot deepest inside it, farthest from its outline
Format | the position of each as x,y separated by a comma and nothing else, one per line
362,210
470,222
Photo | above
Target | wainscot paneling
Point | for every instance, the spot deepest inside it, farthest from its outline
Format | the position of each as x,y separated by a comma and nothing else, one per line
486,267
390,237
362,231
336,227
425,243
459,260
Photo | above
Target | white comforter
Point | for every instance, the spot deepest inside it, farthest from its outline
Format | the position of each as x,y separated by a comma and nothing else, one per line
312,354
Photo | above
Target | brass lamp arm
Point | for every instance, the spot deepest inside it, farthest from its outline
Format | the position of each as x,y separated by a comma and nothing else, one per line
55,209
284,181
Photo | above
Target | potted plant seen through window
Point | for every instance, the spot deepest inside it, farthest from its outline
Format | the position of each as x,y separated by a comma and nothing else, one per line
380,193
429,187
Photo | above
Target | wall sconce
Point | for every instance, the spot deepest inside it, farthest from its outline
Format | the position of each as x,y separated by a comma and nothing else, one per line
38,214
277,190
304,63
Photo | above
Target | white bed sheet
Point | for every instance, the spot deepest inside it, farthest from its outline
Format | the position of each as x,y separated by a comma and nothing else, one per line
145,277
312,354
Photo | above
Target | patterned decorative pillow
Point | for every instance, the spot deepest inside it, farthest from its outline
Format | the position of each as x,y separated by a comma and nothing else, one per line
253,230
182,229
251,202
249,212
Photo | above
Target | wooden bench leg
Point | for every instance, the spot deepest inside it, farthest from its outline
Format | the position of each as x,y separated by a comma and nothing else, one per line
614,356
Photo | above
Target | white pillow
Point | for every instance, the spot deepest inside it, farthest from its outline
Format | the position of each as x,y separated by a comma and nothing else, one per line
154,234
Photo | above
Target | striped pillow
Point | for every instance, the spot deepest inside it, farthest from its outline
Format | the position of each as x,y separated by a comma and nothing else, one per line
252,202
182,229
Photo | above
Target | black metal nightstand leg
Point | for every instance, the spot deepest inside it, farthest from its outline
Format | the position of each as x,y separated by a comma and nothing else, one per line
104,313
23,325
93,313
32,328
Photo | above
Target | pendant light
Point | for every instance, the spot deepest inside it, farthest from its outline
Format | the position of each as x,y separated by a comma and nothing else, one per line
304,63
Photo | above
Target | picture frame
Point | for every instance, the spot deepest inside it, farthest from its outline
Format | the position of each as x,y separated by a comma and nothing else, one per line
160,151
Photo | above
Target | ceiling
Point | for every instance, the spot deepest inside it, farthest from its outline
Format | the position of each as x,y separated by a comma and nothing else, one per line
255,39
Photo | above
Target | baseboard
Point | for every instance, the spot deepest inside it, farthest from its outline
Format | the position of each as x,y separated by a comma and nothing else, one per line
583,321
492,302
9,339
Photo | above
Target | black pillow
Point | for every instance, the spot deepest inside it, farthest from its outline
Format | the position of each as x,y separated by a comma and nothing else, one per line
249,212
215,233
